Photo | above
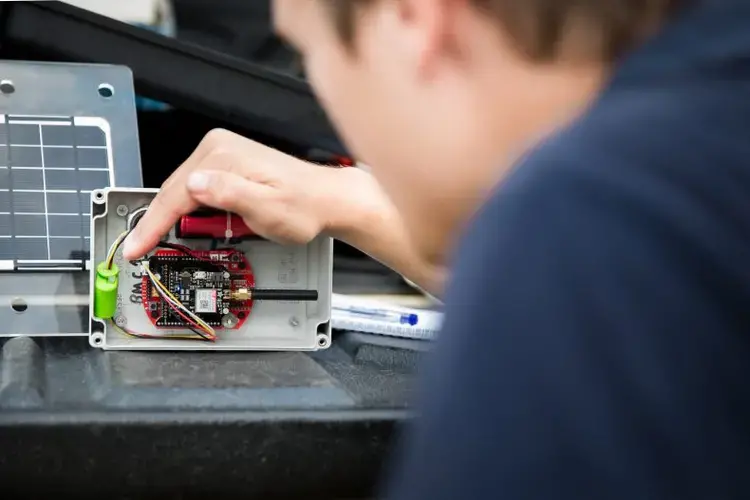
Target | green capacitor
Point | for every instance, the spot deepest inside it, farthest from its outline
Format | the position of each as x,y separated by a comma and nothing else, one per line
105,291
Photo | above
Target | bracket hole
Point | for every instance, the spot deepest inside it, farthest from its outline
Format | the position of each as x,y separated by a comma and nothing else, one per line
323,341
106,90
19,305
7,87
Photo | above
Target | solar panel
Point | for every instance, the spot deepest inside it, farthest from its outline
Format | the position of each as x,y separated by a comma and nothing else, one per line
48,168
65,130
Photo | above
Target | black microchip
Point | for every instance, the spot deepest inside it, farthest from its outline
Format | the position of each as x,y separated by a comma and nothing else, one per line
199,285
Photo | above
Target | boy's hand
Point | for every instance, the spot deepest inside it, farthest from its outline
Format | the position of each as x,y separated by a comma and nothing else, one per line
279,197
285,200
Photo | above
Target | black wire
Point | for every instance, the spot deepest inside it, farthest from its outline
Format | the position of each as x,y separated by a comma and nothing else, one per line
201,335
136,219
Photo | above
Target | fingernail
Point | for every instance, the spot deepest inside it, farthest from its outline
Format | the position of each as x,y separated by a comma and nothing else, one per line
198,181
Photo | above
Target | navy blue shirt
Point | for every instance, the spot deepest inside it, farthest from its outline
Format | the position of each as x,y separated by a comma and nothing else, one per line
597,333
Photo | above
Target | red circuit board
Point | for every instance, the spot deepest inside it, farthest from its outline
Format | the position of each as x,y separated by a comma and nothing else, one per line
203,281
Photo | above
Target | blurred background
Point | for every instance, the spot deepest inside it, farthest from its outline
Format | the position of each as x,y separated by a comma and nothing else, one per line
233,425
242,29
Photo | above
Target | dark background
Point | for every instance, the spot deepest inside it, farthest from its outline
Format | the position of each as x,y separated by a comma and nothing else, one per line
79,421
240,28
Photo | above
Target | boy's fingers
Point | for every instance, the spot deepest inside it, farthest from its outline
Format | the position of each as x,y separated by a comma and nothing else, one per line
172,202
164,212
228,191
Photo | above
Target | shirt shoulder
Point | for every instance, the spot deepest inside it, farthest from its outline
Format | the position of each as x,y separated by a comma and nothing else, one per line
591,299
664,164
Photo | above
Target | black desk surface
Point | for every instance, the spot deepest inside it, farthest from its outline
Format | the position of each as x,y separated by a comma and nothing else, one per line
247,425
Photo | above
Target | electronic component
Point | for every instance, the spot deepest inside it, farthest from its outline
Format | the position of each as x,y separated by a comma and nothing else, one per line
216,285
205,301
213,225
204,281
252,294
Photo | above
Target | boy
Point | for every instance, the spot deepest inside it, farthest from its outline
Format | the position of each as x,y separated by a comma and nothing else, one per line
592,159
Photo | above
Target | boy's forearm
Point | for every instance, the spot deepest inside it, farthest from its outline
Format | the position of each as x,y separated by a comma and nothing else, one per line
366,219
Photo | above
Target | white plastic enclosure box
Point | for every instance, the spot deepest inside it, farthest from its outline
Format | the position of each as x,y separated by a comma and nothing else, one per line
271,326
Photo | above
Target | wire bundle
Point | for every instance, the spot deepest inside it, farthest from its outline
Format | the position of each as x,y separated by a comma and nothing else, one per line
200,329
134,220
113,249
192,320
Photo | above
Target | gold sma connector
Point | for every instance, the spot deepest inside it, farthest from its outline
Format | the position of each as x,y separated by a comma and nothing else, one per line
241,295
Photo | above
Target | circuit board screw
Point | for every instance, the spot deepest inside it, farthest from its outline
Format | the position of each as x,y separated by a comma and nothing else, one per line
122,210
229,321
121,321
294,322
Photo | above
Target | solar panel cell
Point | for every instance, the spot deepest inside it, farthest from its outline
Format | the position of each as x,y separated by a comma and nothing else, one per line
31,225
58,136
67,249
24,156
27,202
29,248
90,136
59,157
65,225
5,202
84,203
25,134
27,178
61,179
93,179
5,224
92,158
65,203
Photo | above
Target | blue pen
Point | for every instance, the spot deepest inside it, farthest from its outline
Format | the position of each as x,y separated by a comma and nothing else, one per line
381,314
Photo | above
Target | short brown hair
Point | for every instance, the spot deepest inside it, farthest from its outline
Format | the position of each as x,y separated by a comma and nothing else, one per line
543,30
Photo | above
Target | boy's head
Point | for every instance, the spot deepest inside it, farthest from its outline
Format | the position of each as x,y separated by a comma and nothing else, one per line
439,96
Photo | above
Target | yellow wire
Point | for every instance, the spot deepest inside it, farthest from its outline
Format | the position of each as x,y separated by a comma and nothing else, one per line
155,337
113,249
